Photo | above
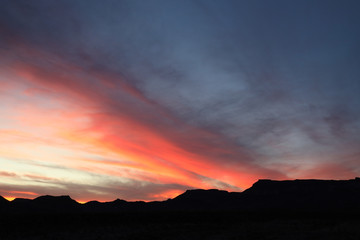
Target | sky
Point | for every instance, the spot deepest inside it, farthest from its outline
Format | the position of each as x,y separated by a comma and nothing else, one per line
142,100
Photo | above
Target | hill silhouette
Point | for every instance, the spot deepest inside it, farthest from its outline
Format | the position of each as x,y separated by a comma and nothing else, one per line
271,195
292,209
304,195
3,203
3,200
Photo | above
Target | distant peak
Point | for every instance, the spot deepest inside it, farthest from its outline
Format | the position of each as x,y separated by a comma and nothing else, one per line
118,200
56,199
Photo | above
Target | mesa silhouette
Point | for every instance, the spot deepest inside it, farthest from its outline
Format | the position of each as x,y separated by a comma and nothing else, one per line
264,195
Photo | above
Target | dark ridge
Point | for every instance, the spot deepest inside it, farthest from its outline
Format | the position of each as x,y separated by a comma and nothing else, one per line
45,204
55,200
309,194
200,199
202,195
20,204
3,200
114,206
264,195
3,203
20,201
303,186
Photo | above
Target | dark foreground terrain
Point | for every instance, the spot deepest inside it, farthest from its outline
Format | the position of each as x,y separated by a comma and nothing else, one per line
180,225
300,209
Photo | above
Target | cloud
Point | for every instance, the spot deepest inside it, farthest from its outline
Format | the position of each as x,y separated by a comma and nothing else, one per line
132,191
330,171
130,110
40,178
125,90
7,174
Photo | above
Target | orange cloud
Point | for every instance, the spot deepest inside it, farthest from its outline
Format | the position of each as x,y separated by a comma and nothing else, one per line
99,113
11,195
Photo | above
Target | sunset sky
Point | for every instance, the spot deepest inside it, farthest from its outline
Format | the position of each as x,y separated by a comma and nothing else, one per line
141,100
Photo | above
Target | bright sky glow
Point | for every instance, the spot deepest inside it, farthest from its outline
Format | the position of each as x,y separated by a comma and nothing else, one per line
130,100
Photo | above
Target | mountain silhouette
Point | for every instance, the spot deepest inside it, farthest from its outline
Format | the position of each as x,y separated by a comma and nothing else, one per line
44,204
303,194
3,200
265,194
3,203
204,199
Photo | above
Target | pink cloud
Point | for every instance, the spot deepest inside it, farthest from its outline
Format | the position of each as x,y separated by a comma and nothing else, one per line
7,174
